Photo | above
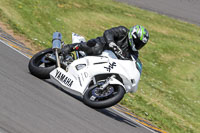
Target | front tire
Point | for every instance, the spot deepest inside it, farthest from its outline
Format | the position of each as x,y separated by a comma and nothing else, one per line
35,63
106,101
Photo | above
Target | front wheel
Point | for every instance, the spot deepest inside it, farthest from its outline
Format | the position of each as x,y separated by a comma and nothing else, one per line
96,98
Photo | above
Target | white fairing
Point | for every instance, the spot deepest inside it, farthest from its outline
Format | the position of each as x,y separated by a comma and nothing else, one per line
81,72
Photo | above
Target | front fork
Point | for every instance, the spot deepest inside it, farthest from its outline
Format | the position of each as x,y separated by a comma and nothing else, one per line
102,87
107,82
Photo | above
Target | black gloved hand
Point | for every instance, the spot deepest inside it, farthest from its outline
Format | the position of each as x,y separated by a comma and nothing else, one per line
116,50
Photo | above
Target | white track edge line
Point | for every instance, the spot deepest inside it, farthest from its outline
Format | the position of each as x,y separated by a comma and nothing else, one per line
14,49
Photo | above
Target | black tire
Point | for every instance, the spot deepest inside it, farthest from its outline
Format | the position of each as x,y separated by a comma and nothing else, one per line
119,90
35,62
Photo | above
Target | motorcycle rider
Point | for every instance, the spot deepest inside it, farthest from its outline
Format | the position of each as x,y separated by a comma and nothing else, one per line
120,40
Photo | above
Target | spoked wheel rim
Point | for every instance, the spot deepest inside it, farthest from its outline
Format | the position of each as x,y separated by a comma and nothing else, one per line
96,94
97,99
102,93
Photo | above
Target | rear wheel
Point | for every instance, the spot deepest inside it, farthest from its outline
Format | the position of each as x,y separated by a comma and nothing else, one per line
40,67
96,98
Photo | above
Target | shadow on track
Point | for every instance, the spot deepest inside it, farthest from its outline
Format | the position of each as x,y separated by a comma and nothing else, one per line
112,114
117,117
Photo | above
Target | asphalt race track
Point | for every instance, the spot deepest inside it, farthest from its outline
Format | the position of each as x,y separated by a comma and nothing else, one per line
31,105
187,10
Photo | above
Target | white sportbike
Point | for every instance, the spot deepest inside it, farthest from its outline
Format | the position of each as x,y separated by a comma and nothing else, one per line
101,80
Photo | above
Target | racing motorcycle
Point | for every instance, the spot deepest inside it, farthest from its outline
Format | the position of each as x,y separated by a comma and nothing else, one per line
101,80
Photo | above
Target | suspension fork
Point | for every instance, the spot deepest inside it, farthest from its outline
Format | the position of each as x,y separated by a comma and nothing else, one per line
107,82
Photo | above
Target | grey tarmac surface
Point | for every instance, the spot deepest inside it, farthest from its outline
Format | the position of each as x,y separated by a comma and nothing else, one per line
31,105
187,10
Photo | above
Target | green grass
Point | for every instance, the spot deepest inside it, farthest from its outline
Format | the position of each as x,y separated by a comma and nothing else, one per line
169,89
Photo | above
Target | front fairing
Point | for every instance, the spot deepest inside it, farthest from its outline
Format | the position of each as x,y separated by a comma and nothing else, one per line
96,65
81,72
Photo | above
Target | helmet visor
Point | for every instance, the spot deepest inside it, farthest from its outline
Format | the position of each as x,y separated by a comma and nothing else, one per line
138,44
132,44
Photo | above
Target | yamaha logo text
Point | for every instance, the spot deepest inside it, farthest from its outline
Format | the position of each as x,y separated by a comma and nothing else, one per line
64,79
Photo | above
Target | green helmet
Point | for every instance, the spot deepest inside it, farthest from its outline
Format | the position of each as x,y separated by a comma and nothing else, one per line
138,37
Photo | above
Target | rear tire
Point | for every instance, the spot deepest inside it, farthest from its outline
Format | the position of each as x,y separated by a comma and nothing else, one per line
35,62
112,100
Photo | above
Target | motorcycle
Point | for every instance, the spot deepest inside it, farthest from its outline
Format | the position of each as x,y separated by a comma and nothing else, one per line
101,80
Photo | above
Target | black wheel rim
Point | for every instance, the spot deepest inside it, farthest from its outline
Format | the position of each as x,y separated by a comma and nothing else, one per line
102,93
96,94
41,61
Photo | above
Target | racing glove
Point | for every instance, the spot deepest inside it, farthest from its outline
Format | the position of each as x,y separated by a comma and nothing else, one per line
116,50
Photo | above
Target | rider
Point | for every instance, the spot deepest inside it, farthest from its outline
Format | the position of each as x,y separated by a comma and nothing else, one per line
120,40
